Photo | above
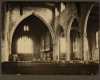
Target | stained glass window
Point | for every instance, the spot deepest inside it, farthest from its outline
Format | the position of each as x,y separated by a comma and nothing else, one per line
24,45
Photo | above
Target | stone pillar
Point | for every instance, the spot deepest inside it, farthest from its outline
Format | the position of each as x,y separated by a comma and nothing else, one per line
84,45
67,42
67,50
54,52
83,27
57,50
6,25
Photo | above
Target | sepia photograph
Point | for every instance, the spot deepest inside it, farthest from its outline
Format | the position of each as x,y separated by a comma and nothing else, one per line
49,38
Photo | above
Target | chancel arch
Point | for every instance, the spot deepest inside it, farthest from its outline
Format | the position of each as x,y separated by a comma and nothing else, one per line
21,19
34,33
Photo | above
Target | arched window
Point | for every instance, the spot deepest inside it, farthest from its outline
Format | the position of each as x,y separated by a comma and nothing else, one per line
75,43
24,45
62,44
26,28
76,47
97,39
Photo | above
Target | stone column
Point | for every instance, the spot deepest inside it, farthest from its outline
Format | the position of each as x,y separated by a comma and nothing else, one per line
67,42
54,52
6,25
57,50
84,19
84,45
67,50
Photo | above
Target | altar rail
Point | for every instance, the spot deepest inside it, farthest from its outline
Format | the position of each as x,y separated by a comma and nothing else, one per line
49,68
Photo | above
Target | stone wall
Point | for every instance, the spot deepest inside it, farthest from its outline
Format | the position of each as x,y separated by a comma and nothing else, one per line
45,13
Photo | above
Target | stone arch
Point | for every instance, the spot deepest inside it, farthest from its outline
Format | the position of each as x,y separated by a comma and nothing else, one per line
25,16
89,50
59,30
67,36
75,25
70,25
86,19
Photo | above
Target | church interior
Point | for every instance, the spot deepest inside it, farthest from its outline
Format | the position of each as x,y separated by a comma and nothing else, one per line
50,38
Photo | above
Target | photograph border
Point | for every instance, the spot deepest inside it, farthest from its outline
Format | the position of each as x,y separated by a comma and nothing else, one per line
50,77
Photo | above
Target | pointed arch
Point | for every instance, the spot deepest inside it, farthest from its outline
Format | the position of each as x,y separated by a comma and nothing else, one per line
22,18
59,30
86,18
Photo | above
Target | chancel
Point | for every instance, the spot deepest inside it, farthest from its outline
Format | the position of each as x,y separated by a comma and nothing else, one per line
50,38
